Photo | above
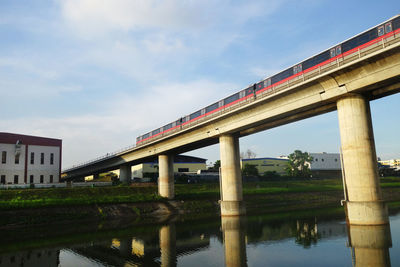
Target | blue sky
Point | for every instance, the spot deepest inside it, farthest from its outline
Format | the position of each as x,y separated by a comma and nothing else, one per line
96,74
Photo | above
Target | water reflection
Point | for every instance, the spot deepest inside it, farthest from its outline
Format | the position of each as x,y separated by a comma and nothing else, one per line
35,258
370,245
234,241
230,241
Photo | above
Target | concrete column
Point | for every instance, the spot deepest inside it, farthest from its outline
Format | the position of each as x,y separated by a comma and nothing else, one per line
168,245
231,178
234,241
370,244
125,173
364,205
166,176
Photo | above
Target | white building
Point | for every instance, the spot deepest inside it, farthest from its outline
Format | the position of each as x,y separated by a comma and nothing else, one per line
326,165
29,159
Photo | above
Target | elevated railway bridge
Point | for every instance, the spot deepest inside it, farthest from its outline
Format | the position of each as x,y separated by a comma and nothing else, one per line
345,84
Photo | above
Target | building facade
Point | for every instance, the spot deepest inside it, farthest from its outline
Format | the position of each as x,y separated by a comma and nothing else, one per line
29,159
263,165
182,164
326,165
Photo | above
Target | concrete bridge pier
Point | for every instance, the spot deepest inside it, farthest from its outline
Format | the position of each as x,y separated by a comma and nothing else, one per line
364,204
231,178
166,176
125,173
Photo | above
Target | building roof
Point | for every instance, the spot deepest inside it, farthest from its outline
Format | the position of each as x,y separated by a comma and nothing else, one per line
11,138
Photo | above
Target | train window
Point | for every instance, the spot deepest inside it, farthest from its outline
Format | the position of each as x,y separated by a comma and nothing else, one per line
168,126
267,82
231,98
221,103
381,31
333,52
297,69
212,107
242,93
155,132
388,27
260,86
338,50
195,115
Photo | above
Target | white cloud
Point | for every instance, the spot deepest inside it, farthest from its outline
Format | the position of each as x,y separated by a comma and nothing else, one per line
93,17
122,119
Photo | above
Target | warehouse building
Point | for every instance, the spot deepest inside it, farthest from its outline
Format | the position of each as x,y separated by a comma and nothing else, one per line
263,165
182,164
326,165
29,159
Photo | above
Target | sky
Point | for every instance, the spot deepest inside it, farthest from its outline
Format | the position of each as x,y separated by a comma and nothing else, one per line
99,73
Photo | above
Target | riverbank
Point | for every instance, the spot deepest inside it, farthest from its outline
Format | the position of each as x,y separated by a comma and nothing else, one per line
141,203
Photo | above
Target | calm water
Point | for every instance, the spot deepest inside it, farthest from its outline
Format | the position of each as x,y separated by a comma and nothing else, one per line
269,240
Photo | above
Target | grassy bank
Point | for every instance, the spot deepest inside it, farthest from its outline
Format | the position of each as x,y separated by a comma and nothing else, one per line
31,198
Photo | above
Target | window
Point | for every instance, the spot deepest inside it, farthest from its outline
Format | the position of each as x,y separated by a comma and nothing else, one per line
183,169
15,179
17,159
32,158
3,179
388,27
381,31
333,52
338,50
322,160
297,69
52,158
51,178
316,159
335,160
41,158
31,179
4,157
41,179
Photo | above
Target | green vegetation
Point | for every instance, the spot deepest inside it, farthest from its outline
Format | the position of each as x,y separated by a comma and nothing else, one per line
29,198
298,164
249,170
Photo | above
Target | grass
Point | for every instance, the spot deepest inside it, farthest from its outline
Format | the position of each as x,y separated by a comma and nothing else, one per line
29,198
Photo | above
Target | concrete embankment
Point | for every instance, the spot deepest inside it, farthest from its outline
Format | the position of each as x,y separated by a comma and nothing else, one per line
38,207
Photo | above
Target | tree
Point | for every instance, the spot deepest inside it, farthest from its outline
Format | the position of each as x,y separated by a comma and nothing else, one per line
298,165
249,170
249,154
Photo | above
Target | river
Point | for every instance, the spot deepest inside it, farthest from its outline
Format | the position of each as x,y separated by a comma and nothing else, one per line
314,238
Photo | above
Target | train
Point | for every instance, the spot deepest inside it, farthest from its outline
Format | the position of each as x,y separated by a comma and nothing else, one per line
372,36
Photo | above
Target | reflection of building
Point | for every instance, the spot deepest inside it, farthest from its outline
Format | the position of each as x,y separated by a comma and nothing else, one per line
182,164
267,164
29,159
326,165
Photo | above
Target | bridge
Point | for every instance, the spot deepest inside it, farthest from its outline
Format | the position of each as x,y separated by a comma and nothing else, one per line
345,84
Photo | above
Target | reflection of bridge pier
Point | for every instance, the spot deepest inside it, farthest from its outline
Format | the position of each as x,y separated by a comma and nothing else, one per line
234,241
370,245
168,245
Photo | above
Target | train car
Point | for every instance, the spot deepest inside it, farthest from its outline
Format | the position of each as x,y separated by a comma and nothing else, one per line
367,38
